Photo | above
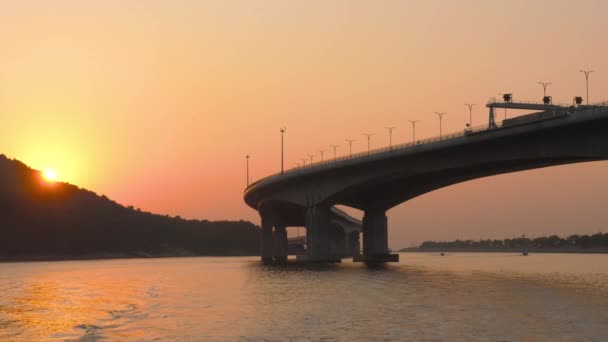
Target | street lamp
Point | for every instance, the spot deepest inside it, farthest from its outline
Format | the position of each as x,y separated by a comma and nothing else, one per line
413,122
247,157
283,129
369,138
545,85
334,147
390,136
322,152
303,161
311,156
587,72
440,115
470,105
350,147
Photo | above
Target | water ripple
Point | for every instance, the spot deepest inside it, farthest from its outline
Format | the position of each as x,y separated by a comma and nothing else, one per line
424,298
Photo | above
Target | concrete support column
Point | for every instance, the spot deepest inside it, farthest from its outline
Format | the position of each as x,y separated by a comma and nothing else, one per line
280,245
346,246
337,244
355,243
317,233
266,244
375,237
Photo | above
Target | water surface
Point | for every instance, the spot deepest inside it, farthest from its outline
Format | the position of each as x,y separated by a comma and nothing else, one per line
426,297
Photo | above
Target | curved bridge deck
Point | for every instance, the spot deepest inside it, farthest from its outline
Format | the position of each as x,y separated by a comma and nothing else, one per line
383,178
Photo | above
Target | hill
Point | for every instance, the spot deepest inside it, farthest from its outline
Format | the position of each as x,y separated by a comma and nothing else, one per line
40,220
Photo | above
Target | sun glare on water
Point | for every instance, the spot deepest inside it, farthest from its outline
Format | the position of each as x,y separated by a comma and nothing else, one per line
49,175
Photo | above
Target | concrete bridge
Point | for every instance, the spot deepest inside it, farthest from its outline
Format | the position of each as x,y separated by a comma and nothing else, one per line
377,181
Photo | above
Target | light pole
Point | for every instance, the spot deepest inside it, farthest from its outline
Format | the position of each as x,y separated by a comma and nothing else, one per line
413,122
334,147
470,105
247,157
545,85
587,72
322,152
390,136
283,129
369,138
303,161
350,146
440,115
311,156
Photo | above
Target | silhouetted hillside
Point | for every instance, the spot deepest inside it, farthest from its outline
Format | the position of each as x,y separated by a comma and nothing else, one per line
58,220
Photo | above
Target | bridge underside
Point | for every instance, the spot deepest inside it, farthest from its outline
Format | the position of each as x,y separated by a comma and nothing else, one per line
397,181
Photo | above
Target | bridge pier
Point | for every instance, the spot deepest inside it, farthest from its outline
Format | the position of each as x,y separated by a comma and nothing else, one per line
267,241
355,243
318,241
326,240
280,245
375,238
338,242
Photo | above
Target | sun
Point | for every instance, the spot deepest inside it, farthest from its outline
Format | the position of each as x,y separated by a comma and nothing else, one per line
49,175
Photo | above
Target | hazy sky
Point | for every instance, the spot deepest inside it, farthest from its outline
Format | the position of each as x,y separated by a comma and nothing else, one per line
156,103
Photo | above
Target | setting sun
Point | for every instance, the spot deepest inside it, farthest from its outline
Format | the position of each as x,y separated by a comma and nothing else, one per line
49,175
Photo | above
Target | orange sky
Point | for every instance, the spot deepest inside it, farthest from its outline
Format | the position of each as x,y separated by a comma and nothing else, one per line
156,103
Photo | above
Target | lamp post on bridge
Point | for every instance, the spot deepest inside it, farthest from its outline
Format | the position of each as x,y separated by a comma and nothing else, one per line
369,138
334,148
587,72
440,115
283,129
350,147
390,136
413,122
545,85
470,105
322,152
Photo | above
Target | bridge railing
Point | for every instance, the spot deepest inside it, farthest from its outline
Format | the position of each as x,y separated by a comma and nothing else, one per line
399,147
361,156
495,100
600,104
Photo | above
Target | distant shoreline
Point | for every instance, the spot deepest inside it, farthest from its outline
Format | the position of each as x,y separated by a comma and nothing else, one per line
109,256
506,250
